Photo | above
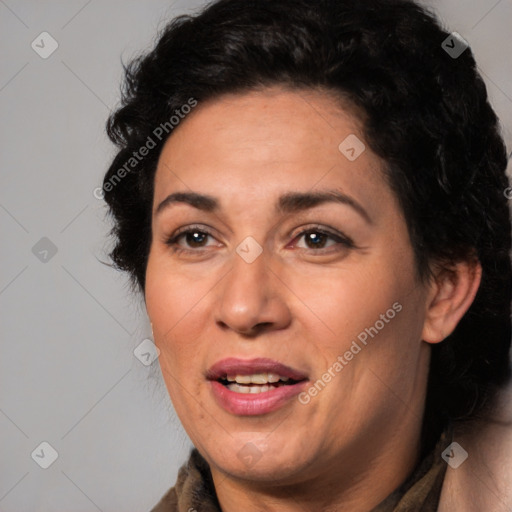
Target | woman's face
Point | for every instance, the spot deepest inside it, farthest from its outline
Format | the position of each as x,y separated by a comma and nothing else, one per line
324,286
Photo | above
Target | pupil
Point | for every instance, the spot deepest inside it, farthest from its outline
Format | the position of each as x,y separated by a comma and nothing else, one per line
196,237
315,236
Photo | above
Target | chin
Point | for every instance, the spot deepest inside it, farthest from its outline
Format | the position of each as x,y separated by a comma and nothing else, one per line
259,460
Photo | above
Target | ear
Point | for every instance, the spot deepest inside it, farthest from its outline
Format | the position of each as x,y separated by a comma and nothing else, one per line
450,296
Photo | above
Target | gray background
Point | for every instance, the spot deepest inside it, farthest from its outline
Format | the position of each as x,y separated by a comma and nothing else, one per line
68,375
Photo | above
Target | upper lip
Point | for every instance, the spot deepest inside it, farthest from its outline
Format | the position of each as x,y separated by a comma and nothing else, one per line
235,366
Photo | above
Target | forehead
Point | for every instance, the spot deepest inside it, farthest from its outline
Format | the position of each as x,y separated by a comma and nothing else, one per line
264,143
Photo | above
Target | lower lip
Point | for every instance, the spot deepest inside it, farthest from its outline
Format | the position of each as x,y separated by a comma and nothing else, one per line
249,404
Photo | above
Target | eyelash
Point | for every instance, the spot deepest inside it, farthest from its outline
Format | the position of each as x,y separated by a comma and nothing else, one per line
172,241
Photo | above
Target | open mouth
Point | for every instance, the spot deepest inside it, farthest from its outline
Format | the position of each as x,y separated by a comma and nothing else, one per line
250,387
256,383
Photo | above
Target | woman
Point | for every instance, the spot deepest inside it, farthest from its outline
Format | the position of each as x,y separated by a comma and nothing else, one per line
310,196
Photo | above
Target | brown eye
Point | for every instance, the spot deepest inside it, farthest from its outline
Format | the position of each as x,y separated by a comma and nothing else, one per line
194,238
317,239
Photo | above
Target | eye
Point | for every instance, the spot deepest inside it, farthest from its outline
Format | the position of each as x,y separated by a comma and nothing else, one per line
316,238
194,237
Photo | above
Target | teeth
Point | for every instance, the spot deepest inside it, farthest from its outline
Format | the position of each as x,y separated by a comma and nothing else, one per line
237,388
257,378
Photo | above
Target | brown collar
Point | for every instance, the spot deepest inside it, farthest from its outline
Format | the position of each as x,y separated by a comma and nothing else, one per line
194,489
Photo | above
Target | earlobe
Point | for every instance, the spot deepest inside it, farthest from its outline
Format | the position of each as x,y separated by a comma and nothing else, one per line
452,293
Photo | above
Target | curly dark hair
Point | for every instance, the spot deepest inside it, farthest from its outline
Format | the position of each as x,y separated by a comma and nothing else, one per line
425,112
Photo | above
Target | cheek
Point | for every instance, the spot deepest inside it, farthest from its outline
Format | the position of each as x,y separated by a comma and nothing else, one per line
174,308
342,304
171,301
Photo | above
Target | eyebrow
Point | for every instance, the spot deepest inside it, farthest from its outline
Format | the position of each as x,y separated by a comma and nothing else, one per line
290,202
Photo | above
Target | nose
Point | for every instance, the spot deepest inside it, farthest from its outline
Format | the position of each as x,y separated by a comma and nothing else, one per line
252,297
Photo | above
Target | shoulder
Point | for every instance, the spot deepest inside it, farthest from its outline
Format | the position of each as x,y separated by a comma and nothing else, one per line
193,488
168,503
484,480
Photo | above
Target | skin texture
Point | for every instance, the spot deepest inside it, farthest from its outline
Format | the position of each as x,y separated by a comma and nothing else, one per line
358,438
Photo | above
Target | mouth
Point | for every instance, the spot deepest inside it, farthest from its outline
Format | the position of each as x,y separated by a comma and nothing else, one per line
255,383
256,386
